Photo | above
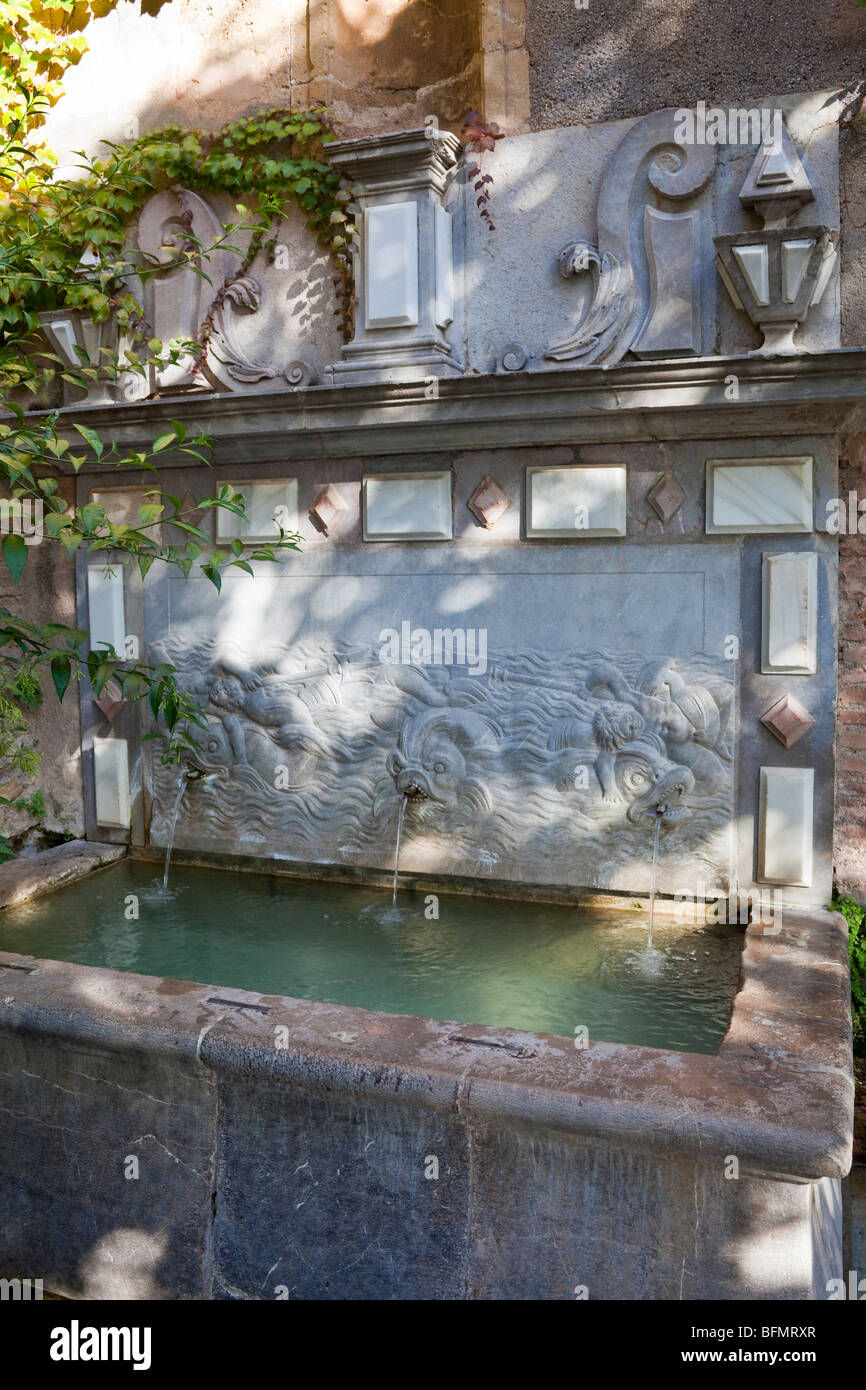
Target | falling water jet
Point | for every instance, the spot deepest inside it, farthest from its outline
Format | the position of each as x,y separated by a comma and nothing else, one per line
189,774
403,804
651,959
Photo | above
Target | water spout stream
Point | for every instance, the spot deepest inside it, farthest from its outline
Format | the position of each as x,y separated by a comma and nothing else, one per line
403,804
171,829
652,906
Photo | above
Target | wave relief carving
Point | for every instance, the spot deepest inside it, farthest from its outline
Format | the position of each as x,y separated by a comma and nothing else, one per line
533,771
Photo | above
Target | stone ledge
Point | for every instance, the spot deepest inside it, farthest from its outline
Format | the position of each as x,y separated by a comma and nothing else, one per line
638,401
32,876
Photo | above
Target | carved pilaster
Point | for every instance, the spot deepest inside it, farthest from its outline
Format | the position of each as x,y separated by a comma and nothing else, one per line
403,264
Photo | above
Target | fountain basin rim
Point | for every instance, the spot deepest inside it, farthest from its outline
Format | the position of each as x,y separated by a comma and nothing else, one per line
779,1094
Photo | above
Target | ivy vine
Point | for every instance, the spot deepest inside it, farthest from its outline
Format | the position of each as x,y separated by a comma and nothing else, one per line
264,161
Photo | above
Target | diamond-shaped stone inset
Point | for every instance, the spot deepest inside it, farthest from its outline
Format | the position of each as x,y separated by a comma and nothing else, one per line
788,720
110,700
327,508
666,497
488,503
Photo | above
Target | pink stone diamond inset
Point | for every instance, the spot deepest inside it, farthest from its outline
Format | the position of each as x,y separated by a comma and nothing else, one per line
327,507
488,503
788,720
666,497
110,700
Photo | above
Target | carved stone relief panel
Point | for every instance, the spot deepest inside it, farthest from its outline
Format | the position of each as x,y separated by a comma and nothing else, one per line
647,263
604,246
269,325
547,773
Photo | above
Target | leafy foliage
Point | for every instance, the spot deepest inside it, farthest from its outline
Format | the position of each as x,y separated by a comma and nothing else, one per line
855,915
45,226
39,43
480,136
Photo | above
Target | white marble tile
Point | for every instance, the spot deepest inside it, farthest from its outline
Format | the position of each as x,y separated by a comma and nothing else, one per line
121,505
444,266
755,495
264,503
111,777
790,613
795,261
408,506
391,265
579,501
105,607
785,826
755,265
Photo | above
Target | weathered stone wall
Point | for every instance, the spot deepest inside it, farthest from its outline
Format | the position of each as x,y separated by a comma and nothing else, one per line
613,58
852,241
610,60
375,64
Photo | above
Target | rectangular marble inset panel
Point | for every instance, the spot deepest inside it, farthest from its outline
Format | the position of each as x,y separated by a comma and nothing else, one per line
266,504
576,501
444,267
111,778
408,506
391,264
105,607
673,321
121,506
750,496
785,825
790,614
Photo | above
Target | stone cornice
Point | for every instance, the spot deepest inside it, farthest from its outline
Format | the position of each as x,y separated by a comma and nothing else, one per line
790,396
404,159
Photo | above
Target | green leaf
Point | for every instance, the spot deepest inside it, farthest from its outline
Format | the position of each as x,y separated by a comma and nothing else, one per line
15,555
70,540
150,513
61,673
168,496
92,515
92,438
213,575
56,521
163,442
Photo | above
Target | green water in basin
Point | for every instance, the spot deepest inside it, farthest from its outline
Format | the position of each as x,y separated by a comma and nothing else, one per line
494,961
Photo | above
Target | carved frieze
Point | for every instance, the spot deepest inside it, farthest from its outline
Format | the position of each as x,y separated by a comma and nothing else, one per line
180,240
518,771
646,295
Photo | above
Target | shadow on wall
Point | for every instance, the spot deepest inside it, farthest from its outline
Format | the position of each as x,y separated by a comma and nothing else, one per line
599,62
375,65
519,760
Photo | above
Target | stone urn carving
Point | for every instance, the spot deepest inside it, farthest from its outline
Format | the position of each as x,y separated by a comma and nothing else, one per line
776,276
80,343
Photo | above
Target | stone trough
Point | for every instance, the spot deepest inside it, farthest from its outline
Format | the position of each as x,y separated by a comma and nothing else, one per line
313,1151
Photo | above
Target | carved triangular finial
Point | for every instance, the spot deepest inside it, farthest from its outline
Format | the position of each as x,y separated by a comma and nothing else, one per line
776,185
